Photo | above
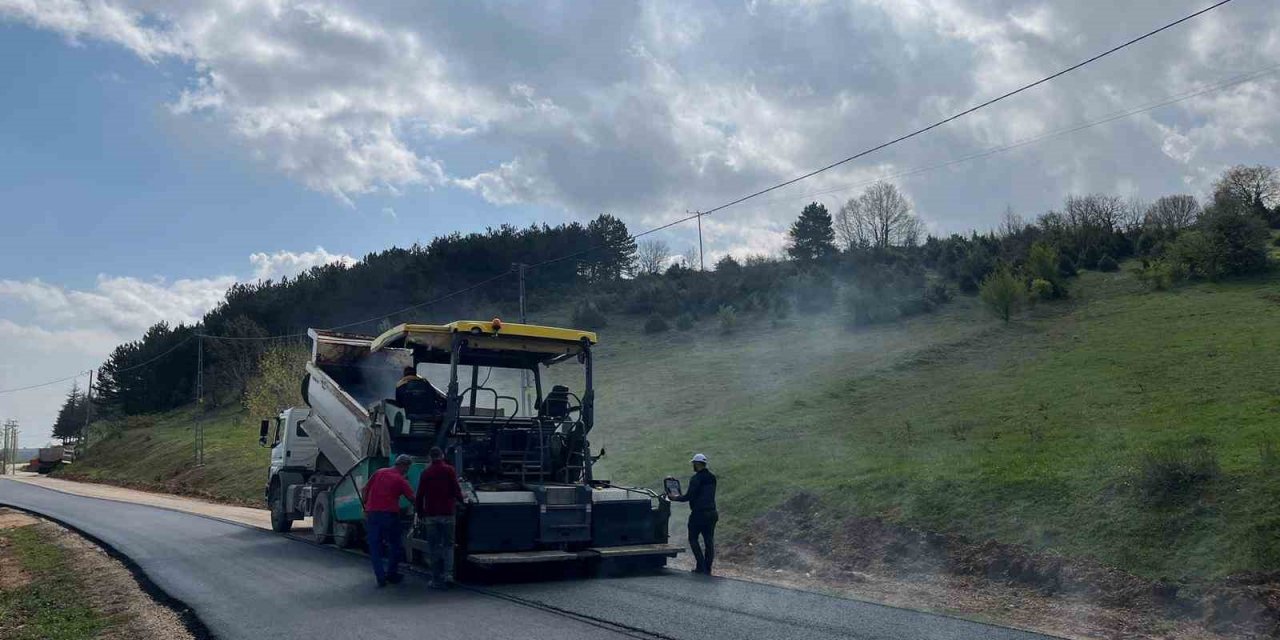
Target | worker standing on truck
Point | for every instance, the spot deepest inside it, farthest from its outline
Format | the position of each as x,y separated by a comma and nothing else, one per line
701,497
438,496
382,495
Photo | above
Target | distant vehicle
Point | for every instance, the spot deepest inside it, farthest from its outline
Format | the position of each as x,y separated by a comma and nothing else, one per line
49,458
527,471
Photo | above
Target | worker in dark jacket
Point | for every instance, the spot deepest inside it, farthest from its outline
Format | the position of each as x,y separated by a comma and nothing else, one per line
381,496
701,497
438,495
417,396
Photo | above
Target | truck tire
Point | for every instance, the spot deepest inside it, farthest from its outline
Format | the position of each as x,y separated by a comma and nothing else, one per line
346,535
322,520
280,521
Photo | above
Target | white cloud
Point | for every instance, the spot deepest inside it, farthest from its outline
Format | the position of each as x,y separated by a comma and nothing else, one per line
48,331
274,266
123,306
646,110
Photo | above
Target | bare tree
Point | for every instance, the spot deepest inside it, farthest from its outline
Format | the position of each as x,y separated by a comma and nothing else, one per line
1011,223
1094,211
689,258
1171,213
652,256
1132,213
1256,187
848,225
881,217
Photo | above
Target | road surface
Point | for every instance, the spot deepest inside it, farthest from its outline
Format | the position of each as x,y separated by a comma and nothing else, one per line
243,582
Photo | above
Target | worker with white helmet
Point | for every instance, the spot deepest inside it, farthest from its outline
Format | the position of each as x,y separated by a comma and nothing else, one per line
701,497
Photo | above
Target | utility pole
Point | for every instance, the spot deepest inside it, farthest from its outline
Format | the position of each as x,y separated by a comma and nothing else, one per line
199,400
702,262
88,415
525,382
10,459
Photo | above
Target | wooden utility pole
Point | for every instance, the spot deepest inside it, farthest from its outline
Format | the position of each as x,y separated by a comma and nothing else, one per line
199,426
702,262
88,415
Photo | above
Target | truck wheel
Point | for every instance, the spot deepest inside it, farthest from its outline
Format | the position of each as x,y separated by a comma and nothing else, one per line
322,520
280,521
345,535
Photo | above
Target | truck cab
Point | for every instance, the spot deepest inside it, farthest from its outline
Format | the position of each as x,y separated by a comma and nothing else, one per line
292,448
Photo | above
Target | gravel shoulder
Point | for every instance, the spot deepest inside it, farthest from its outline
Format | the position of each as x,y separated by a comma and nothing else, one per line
97,596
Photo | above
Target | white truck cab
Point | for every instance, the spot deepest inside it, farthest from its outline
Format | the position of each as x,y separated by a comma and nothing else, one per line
291,446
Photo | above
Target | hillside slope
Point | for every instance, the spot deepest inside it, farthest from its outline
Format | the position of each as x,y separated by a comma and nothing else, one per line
1132,426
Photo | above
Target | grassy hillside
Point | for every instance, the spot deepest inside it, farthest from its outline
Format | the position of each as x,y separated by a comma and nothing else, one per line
158,452
1137,427
1134,426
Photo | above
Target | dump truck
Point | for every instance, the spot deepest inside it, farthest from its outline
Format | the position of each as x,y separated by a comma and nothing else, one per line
49,458
518,441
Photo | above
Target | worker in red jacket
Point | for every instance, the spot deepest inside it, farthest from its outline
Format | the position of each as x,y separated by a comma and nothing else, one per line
381,496
438,495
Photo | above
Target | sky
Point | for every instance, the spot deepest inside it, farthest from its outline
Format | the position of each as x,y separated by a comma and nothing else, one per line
153,153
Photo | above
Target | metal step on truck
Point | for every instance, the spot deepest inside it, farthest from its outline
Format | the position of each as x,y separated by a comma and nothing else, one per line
507,418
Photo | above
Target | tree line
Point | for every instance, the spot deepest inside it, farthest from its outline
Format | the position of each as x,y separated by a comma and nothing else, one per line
871,261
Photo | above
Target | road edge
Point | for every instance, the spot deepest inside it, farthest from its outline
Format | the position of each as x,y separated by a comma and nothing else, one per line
186,614
515,599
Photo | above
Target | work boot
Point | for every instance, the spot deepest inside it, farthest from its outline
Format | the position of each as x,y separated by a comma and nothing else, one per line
395,578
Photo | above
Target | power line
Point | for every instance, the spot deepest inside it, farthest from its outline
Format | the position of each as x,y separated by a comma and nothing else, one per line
970,110
698,215
1147,107
43,384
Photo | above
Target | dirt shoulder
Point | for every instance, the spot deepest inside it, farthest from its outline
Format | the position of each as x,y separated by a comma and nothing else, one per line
869,559
250,516
55,584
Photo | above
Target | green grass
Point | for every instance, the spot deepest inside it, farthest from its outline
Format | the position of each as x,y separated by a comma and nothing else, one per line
51,606
158,452
1035,433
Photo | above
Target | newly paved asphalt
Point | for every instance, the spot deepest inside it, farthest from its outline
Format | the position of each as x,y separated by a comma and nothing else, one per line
248,583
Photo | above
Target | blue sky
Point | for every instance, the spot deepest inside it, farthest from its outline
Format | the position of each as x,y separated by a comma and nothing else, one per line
98,172
152,153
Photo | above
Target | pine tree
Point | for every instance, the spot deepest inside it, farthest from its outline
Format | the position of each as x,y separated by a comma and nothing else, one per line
614,252
812,237
71,416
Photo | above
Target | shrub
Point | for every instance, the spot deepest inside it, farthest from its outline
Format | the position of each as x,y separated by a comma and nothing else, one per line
727,316
937,294
1066,268
781,308
1173,475
1089,257
655,324
275,386
587,315
1042,264
1041,290
1107,263
684,322
1239,239
1001,292
814,292
1276,241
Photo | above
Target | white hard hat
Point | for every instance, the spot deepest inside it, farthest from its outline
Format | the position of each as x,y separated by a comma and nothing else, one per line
698,457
